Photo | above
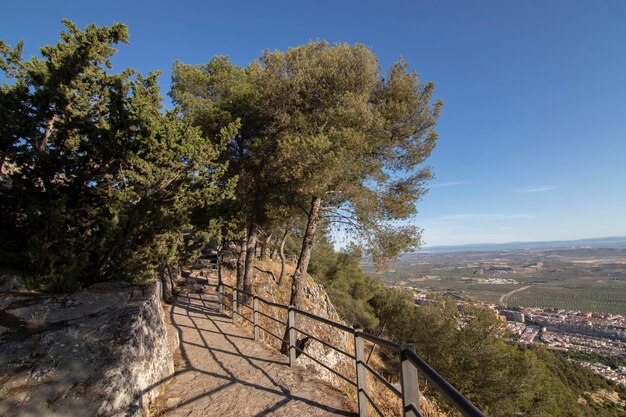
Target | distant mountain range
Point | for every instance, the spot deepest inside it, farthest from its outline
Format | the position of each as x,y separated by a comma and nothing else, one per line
601,242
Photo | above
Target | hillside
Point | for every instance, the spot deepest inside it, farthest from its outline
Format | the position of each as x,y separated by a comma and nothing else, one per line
470,347
318,302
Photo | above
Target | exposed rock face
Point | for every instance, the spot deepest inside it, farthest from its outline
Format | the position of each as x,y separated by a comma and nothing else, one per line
94,353
10,282
318,303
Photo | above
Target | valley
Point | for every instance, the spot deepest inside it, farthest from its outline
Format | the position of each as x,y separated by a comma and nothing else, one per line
582,279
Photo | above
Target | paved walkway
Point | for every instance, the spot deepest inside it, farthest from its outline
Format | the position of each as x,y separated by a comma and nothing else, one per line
223,372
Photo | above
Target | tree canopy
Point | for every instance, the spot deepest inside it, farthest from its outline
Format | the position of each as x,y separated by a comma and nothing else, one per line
470,347
98,181
323,132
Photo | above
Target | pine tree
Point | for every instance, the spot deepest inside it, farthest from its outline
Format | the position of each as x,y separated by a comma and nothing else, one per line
348,141
99,183
322,132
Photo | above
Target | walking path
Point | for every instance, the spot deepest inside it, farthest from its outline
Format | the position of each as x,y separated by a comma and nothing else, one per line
222,371
505,297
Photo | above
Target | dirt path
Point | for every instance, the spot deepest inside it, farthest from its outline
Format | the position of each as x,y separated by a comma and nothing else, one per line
223,372
506,296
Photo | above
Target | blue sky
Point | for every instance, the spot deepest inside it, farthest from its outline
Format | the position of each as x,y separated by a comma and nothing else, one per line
533,133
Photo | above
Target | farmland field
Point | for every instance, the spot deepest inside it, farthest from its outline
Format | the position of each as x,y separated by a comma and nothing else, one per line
608,298
575,279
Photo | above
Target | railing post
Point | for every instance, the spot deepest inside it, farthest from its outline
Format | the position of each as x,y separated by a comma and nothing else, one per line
410,387
234,305
361,376
220,296
291,322
255,316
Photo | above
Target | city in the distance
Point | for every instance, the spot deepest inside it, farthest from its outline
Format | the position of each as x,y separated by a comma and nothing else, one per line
569,296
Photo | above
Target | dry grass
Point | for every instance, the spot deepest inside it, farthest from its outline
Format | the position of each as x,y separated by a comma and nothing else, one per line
37,320
158,407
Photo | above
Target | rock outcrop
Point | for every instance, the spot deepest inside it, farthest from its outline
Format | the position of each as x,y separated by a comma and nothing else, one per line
99,352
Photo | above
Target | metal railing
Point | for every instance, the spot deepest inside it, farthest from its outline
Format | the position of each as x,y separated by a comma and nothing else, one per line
409,362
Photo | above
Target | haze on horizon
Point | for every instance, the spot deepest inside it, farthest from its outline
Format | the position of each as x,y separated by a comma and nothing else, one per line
533,131
605,242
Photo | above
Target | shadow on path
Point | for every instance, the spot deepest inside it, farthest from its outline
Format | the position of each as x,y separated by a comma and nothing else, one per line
222,371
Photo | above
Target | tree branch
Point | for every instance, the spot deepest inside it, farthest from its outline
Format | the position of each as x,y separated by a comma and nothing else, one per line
267,271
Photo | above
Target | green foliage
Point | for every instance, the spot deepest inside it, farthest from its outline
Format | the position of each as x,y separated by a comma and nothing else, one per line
573,375
319,120
351,290
342,132
219,94
98,183
614,362
467,346
348,287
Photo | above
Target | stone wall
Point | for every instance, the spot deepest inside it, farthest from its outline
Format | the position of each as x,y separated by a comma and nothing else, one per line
99,352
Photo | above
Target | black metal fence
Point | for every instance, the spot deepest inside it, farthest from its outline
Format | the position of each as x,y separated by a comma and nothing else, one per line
409,362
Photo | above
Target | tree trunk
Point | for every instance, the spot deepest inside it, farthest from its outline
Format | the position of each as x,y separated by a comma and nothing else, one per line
380,333
253,233
283,260
265,247
47,133
241,261
172,283
166,285
305,253
297,284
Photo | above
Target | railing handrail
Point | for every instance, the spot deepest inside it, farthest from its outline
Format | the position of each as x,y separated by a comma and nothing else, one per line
396,347
458,399
407,355
263,300
324,320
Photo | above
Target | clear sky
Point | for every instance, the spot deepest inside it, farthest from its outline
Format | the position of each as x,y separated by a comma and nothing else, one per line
533,133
